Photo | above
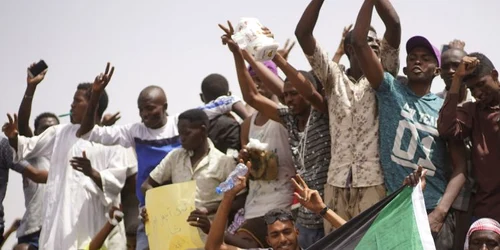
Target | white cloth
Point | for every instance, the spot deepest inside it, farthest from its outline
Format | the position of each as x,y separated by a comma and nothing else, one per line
266,195
33,200
74,206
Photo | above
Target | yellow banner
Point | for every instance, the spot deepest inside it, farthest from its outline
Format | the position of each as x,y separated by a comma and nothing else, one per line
168,209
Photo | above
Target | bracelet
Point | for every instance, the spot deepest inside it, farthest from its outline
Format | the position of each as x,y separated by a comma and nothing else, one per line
323,211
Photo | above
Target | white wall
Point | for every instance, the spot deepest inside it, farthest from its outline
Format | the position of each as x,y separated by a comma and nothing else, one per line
175,44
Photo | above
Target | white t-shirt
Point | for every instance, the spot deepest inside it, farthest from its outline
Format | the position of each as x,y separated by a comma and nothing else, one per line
267,195
33,200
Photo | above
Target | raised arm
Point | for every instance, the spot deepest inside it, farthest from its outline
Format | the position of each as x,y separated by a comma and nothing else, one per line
26,103
248,88
26,148
456,121
215,239
270,80
391,21
305,27
368,60
100,83
303,86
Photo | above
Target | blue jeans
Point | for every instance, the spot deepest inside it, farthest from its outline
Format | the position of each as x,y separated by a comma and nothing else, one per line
308,236
141,238
31,239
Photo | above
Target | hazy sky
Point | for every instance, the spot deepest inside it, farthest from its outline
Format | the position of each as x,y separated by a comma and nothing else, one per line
175,44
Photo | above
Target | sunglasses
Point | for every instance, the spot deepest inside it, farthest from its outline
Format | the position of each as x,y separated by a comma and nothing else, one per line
270,219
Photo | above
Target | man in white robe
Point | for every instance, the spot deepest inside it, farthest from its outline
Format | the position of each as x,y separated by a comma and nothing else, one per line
85,179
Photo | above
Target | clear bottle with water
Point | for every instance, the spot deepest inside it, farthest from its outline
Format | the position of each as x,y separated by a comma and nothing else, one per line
240,170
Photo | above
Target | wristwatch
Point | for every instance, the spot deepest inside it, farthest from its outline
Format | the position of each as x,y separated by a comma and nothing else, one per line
323,211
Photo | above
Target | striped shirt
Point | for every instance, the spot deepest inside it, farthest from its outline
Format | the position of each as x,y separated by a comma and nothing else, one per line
311,161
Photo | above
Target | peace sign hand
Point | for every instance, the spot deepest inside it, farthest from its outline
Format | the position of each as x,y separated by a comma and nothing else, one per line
309,198
227,40
102,80
285,51
10,128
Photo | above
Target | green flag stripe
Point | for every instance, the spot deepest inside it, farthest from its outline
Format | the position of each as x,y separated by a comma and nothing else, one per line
395,227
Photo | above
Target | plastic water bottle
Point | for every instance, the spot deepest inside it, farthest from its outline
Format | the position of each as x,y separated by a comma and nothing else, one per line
240,170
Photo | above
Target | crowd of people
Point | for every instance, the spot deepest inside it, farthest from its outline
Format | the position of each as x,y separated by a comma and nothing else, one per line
338,139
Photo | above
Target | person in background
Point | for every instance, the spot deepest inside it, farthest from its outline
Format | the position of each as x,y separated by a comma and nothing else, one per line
28,171
355,179
478,121
223,131
483,234
408,125
451,57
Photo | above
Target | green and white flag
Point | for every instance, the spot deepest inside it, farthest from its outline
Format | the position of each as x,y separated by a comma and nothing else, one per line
397,222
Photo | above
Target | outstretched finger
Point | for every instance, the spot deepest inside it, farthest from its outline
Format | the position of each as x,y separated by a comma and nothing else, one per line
301,181
226,30
291,46
231,29
297,186
15,118
107,68
111,73
11,121
84,154
347,28
287,42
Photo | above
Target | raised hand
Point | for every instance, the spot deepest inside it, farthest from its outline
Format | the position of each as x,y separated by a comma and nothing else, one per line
308,198
199,218
285,51
36,79
242,182
110,119
10,128
467,66
102,80
82,164
457,44
227,40
341,50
